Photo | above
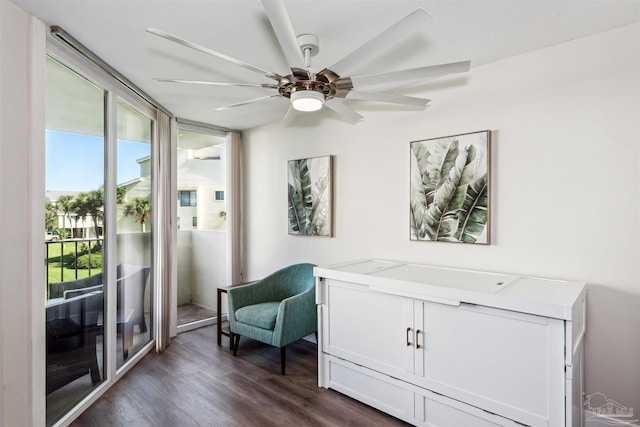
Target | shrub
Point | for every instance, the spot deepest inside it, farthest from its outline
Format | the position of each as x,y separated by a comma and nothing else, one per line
89,261
63,233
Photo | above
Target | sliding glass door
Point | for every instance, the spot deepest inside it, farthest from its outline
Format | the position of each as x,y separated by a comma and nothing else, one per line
99,233
134,254
201,222
74,239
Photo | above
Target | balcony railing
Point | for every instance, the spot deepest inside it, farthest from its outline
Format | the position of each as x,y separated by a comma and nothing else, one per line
61,259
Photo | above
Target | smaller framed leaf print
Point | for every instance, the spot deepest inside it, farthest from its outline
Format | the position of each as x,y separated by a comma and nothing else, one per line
310,196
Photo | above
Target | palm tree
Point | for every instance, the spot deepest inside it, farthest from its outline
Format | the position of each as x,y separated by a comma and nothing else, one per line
121,192
140,208
78,206
90,204
50,216
65,204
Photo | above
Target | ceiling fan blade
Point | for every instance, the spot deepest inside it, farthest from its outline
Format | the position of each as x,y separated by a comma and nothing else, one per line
281,24
387,97
212,52
406,77
382,41
345,111
202,82
250,101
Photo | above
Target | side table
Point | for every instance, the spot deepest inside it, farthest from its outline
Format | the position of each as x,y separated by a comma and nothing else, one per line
224,331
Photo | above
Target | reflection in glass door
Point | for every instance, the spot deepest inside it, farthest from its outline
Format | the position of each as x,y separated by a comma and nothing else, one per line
73,239
202,225
134,252
97,234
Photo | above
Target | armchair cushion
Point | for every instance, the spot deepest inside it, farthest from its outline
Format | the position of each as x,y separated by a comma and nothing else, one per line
262,315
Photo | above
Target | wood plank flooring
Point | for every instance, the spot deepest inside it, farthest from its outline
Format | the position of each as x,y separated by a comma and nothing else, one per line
197,383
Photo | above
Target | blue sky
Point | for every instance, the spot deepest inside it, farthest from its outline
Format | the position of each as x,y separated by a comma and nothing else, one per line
75,162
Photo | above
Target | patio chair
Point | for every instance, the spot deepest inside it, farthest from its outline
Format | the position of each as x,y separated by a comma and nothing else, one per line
72,326
57,289
131,286
131,283
277,310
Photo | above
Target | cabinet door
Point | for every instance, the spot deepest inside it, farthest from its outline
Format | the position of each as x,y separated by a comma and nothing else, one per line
505,362
368,328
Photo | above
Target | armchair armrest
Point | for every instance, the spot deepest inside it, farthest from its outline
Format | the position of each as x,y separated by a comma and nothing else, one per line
297,318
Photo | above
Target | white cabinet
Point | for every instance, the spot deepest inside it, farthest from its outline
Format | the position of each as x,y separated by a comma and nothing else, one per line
447,347
372,338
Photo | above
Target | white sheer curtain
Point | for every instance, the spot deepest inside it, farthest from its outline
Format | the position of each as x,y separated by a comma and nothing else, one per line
234,207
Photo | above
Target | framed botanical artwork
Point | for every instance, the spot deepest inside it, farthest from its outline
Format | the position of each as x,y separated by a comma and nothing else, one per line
310,196
450,188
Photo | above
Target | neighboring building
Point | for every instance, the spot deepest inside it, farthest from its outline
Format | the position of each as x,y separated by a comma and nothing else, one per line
201,188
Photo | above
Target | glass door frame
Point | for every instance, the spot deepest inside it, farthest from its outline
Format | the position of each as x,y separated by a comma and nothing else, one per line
110,225
114,90
233,197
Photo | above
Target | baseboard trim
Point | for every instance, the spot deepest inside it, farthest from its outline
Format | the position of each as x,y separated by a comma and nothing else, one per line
199,324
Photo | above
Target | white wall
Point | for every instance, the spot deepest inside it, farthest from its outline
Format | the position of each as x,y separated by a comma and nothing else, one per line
202,260
22,339
565,182
209,258
185,267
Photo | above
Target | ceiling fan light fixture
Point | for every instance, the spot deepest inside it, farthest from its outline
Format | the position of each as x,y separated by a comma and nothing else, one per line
307,100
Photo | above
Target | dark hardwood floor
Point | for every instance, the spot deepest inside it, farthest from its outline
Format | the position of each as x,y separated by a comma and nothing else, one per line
197,383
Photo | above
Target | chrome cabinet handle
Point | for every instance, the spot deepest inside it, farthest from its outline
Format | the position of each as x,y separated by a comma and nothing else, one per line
417,338
408,342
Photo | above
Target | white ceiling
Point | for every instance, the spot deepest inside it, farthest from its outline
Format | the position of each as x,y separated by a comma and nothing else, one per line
480,31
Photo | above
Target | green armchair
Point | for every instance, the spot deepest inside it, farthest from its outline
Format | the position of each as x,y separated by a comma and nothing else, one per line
277,310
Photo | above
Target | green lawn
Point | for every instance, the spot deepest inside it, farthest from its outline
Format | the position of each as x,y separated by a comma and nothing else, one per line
60,262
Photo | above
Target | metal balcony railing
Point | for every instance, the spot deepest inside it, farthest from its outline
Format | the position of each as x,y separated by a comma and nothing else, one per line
63,255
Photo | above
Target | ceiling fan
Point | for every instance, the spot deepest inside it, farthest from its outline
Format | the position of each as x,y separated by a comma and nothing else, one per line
310,91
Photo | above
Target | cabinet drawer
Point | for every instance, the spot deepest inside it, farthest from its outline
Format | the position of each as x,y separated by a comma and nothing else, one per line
402,400
372,388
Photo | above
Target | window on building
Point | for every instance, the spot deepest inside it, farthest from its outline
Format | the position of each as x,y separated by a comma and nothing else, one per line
195,221
188,198
219,195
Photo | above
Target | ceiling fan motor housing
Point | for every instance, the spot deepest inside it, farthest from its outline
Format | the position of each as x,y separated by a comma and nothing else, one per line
326,82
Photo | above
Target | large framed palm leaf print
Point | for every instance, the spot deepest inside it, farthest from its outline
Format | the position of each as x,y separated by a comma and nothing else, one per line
309,196
450,188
